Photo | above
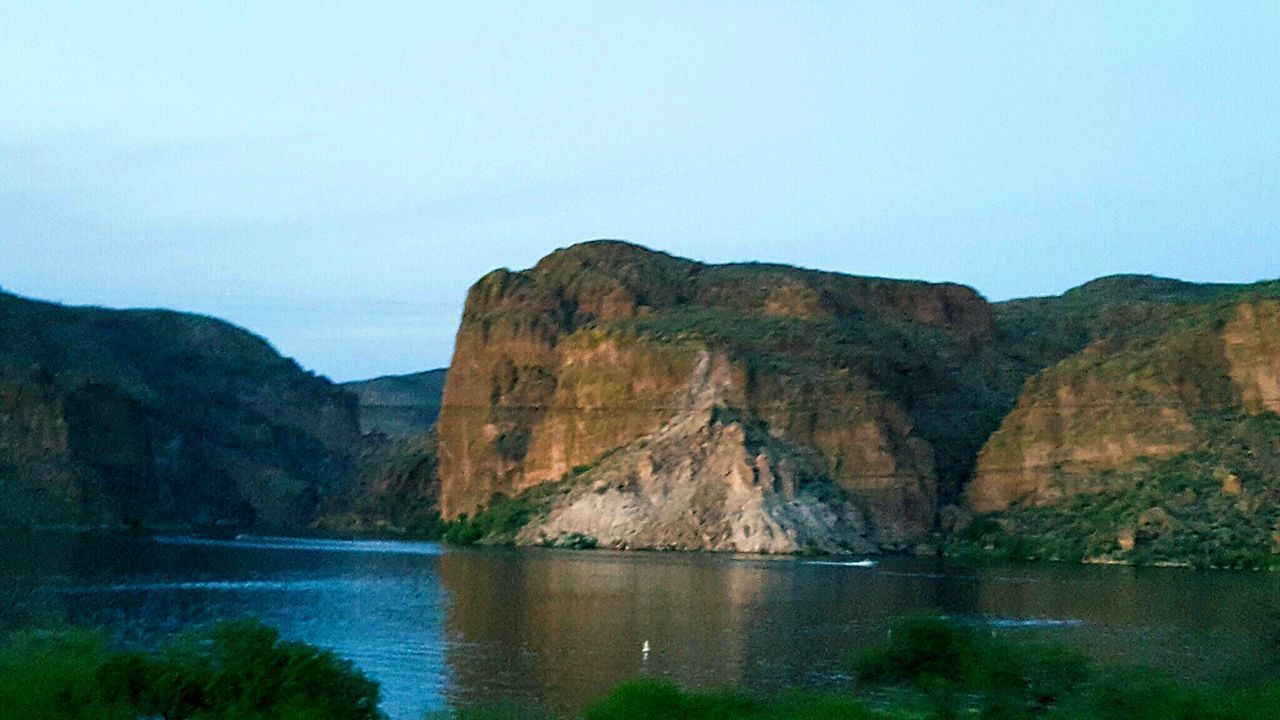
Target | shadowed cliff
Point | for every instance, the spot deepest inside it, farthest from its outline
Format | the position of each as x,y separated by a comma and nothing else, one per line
159,417
399,406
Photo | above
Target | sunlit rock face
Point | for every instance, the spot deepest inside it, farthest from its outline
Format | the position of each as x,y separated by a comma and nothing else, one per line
738,407
1133,397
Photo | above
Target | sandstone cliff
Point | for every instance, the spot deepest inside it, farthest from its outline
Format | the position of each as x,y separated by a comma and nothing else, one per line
1160,431
584,366
157,417
709,479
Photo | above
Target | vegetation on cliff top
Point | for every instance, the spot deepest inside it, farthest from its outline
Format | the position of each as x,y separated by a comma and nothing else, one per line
1042,331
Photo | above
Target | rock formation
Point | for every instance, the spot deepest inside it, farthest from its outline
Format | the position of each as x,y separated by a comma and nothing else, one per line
1157,441
1136,393
884,388
157,417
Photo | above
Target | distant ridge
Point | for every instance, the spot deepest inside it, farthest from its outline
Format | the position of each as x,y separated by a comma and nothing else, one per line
399,406
156,417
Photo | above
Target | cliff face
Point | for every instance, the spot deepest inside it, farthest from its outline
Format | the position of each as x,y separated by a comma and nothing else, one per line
1157,440
709,478
111,416
1135,394
886,389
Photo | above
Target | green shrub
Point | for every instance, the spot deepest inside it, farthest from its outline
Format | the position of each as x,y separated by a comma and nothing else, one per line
463,531
238,670
659,700
1142,694
502,518
949,662
56,676
578,541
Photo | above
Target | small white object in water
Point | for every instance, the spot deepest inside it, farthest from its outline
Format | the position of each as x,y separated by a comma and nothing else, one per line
644,648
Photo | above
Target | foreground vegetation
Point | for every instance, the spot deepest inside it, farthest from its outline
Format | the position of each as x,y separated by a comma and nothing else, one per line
930,668
238,670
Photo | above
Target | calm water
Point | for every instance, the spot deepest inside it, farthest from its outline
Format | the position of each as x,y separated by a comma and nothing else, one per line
438,627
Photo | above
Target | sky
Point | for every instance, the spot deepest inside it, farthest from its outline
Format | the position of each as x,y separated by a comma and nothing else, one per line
334,176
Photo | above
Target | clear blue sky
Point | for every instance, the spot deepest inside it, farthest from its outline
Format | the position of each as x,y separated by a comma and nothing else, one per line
334,176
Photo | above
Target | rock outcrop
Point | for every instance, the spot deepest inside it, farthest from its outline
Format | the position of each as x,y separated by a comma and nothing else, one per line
158,417
886,388
1158,441
708,479
1136,394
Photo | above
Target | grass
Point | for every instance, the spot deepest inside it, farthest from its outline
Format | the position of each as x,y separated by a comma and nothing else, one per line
659,700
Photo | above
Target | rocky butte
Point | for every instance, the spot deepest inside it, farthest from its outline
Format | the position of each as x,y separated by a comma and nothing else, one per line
649,401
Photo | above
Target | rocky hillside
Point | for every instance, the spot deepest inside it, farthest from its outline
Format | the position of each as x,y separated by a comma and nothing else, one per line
737,407
394,489
1152,433
158,417
399,406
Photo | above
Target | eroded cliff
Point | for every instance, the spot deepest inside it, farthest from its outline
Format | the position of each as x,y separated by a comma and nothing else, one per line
1157,441
886,389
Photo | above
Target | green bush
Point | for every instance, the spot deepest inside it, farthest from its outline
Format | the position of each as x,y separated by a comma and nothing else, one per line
949,663
238,670
59,676
463,531
499,521
1140,694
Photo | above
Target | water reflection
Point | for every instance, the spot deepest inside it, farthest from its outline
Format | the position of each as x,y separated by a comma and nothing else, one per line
560,627
566,626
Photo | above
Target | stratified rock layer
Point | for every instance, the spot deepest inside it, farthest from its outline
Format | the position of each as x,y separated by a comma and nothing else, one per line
705,480
887,387
1137,394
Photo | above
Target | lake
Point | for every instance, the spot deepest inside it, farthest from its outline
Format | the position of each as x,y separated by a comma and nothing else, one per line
438,626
